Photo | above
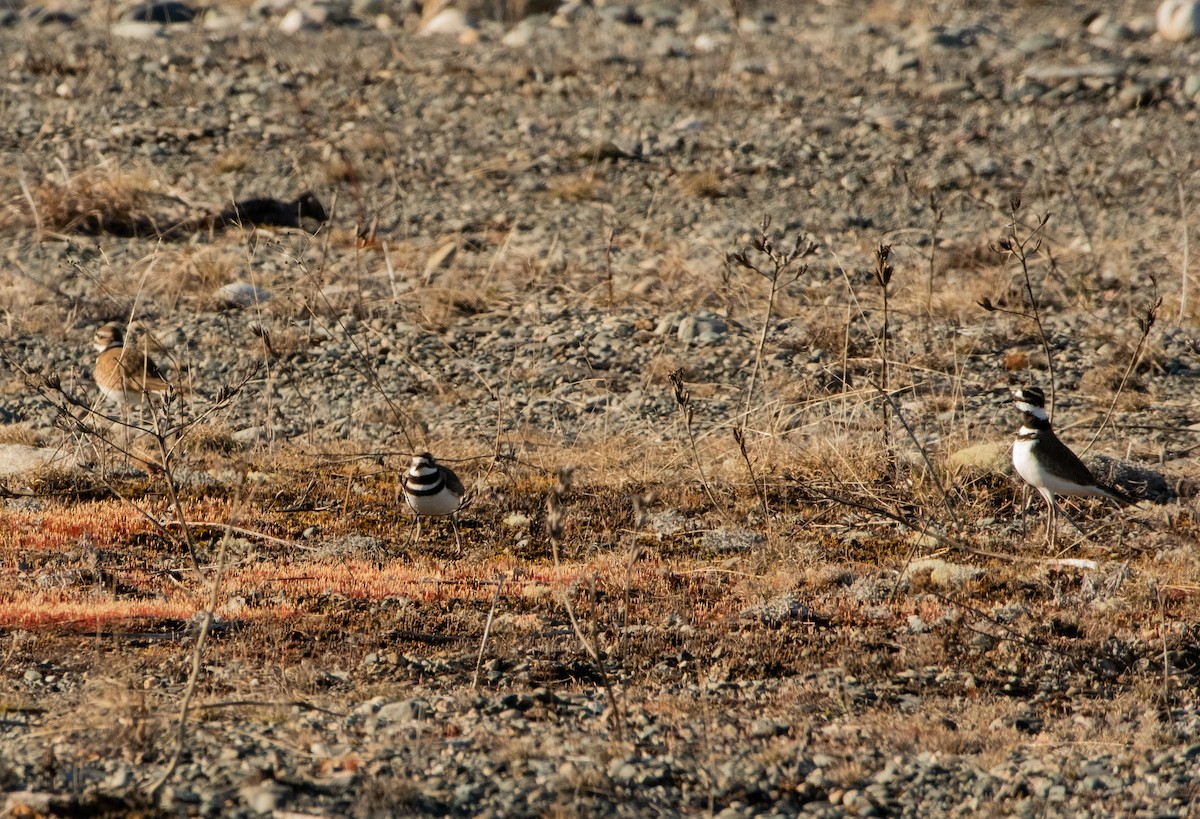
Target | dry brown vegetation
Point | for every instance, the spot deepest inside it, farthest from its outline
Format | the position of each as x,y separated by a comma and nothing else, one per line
648,550
793,536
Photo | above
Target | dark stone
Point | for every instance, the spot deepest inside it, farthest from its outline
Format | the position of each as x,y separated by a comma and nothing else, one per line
168,12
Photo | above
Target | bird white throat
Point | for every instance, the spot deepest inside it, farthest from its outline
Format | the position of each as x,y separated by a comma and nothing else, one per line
1031,409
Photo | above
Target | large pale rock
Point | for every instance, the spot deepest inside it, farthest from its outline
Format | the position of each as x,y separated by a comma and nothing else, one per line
452,21
1178,20
240,294
20,459
993,458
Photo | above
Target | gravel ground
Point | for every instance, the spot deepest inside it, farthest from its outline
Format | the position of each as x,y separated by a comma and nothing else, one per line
529,228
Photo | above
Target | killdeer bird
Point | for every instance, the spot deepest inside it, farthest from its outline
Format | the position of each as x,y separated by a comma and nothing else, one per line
123,374
431,489
1047,464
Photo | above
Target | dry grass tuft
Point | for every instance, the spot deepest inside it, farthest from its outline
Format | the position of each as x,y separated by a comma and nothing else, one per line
704,184
67,482
376,144
442,306
96,201
213,437
194,271
887,12
20,434
1102,381
585,188
339,170
233,160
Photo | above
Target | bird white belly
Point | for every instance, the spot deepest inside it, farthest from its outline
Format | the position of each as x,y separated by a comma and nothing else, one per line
443,503
120,396
1034,474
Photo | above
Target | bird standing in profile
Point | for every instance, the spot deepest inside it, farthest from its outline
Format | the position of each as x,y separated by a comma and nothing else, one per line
431,489
124,375
1047,464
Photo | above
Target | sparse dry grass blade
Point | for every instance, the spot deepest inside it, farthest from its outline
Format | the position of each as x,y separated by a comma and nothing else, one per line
487,629
683,399
1145,325
883,277
785,268
704,184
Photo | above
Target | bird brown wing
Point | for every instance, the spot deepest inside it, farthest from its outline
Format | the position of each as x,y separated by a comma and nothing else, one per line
452,481
140,371
1061,461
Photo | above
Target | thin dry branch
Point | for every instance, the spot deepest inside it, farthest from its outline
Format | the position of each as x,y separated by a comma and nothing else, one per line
487,630
194,677
1145,324
555,524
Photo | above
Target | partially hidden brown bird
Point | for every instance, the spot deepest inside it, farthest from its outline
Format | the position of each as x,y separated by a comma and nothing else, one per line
124,375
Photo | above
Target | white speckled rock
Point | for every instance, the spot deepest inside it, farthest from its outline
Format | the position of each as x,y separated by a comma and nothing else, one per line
1178,20
294,21
240,294
452,21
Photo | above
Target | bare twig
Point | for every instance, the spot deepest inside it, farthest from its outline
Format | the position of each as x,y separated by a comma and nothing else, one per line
166,450
1023,249
683,398
938,215
891,399
304,705
1186,263
1145,324
740,437
237,530
635,553
1166,675
556,515
194,677
883,277
780,274
608,271
783,269
487,629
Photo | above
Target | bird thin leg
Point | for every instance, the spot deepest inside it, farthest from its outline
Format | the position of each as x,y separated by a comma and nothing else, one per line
1051,528
127,425
457,536
1051,506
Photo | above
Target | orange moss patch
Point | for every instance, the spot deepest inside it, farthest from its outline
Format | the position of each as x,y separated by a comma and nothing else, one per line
86,615
358,579
276,590
105,524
